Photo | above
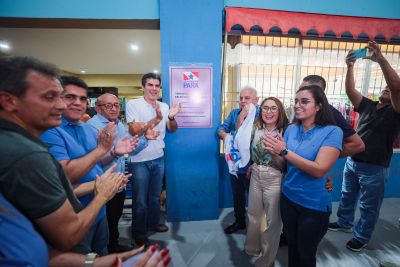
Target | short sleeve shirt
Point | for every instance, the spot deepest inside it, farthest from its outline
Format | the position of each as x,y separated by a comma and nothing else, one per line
71,141
342,123
377,128
99,122
138,110
299,186
31,179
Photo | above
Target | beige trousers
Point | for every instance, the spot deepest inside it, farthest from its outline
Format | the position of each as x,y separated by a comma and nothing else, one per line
265,224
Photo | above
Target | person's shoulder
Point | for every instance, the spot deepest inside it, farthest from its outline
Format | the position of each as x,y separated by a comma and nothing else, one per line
135,101
292,128
367,103
93,120
162,104
331,129
89,129
234,111
21,145
52,133
335,112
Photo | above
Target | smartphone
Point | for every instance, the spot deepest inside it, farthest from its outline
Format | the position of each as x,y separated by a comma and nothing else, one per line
360,53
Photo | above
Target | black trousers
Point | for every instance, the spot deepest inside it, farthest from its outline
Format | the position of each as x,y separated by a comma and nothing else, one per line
114,209
240,185
304,229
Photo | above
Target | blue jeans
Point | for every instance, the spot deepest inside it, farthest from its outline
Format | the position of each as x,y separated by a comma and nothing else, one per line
146,188
304,229
97,237
367,182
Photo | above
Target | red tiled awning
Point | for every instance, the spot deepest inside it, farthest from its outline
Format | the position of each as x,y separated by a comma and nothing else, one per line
303,22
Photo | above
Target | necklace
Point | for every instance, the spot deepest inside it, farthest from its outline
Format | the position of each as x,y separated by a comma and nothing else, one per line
269,132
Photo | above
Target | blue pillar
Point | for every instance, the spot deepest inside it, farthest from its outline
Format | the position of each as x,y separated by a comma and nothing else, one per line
191,32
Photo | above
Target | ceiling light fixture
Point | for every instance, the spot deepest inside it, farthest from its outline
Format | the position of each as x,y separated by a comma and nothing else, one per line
83,71
4,46
134,47
155,71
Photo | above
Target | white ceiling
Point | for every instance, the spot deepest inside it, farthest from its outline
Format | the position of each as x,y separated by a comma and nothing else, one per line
96,51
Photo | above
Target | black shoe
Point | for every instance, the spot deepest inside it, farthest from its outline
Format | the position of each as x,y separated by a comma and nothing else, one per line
387,264
119,248
141,240
336,227
355,245
161,228
283,240
234,228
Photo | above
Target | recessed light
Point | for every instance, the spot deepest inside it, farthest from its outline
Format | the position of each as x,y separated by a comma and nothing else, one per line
155,71
83,71
4,46
134,47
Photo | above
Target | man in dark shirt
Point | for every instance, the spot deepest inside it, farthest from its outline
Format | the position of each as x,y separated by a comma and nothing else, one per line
352,143
365,173
30,178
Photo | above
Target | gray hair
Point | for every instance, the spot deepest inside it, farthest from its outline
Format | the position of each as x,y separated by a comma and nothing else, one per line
249,88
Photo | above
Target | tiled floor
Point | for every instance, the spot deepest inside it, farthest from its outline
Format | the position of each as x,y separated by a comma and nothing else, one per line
203,243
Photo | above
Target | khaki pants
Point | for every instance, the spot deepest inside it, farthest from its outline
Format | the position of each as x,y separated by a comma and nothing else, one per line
265,224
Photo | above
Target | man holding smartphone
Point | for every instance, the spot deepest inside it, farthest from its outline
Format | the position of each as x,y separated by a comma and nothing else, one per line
365,173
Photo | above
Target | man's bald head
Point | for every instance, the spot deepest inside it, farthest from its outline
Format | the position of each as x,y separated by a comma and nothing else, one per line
248,95
107,105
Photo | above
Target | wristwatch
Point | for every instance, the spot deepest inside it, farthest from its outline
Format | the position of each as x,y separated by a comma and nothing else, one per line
283,152
112,153
90,257
171,119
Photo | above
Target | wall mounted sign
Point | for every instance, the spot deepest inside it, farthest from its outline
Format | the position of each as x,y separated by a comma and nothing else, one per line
191,87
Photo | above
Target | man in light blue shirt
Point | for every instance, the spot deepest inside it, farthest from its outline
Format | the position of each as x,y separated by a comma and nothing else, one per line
108,110
240,184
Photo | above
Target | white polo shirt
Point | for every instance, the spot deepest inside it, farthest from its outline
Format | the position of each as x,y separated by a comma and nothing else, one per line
138,110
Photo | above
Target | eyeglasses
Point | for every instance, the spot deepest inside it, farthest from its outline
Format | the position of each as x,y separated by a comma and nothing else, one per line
272,109
73,98
109,106
302,101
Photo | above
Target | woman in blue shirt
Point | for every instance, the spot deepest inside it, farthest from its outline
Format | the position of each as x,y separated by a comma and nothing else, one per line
310,147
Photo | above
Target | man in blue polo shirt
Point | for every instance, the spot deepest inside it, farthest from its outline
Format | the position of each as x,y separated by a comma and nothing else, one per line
82,151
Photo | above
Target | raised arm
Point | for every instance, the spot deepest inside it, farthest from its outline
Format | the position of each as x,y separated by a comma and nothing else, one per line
391,77
243,114
79,167
352,145
324,161
354,95
140,128
171,123
326,157
225,128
